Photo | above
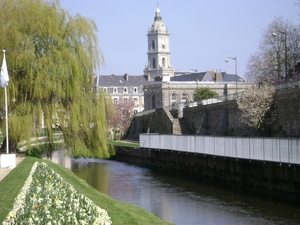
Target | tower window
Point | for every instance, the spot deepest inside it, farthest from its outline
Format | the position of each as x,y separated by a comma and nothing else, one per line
163,46
153,45
163,62
153,63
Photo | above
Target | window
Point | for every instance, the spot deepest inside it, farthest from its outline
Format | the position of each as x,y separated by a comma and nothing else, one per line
163,46
115,90
184,97
135,90
104,89
125,100
135,102
174,98
153,45
153,102
153,63
125,89
115,101
163,62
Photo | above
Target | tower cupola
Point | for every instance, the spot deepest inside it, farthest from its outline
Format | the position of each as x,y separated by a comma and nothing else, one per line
158,26
158,49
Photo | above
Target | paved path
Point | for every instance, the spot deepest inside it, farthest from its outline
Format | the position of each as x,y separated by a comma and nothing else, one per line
5,171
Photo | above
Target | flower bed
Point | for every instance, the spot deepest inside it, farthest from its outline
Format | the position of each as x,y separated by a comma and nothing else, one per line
47,199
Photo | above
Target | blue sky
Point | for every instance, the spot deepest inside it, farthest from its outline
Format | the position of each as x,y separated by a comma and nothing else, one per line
203,32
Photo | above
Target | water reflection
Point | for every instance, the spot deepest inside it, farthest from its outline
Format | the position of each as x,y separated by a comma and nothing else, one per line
184,200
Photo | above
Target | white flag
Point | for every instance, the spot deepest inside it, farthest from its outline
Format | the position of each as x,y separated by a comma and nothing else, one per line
4,74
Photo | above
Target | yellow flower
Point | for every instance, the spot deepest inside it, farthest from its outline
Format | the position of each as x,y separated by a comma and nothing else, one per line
36,180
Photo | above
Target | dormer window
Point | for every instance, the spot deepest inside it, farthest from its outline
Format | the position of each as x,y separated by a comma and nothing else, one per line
104,89
115,90
135,90
125,90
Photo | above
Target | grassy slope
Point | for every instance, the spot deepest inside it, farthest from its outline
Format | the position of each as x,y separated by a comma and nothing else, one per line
120,213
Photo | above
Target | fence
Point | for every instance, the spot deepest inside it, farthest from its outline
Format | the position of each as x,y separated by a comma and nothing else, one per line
279,150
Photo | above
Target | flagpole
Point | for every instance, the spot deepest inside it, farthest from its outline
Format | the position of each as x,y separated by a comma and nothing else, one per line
4,82
6,118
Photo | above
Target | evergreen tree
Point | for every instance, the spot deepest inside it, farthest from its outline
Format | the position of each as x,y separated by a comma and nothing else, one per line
51,56
204,93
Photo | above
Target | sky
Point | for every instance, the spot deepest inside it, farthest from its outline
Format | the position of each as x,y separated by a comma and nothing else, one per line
203,33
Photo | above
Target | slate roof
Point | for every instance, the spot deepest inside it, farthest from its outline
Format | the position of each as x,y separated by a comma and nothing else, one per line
189,77
231,77
200,77
119,80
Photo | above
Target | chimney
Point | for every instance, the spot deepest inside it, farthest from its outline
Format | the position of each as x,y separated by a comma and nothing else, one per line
218,77
126,76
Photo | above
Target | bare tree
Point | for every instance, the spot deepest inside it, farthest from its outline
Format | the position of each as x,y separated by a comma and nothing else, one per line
256,103
277,53
124,113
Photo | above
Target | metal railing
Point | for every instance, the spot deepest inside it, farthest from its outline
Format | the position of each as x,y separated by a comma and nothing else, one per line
276,150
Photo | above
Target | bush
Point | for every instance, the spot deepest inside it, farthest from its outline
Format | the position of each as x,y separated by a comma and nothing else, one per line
34,153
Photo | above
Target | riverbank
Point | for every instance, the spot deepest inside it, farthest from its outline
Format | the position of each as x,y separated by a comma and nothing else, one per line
120,213
252,173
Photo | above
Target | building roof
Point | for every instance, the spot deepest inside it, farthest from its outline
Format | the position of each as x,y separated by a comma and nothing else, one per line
126,80
189,77
231,77
119,80
207,76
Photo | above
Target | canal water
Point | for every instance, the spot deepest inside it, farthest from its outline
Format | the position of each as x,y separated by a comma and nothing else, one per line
185,200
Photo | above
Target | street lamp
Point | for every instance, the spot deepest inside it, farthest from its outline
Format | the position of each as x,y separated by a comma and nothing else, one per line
236,78
285,52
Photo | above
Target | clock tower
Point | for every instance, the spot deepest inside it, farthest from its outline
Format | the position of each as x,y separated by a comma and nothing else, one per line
158,50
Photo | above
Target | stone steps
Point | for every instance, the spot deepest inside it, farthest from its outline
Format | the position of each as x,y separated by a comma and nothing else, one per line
180,127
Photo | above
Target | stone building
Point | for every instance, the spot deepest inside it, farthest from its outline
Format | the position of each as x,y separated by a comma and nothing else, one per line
124,87
180,88
160,86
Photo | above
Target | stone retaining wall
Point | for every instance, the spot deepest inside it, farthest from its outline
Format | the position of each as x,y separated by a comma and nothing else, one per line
252,173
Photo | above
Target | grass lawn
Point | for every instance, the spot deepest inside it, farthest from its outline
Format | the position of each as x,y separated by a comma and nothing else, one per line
120,213
125,144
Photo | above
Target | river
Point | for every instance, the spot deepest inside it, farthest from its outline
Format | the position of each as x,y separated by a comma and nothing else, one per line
184,200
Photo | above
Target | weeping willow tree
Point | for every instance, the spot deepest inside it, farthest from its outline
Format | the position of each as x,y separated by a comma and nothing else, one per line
51,56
